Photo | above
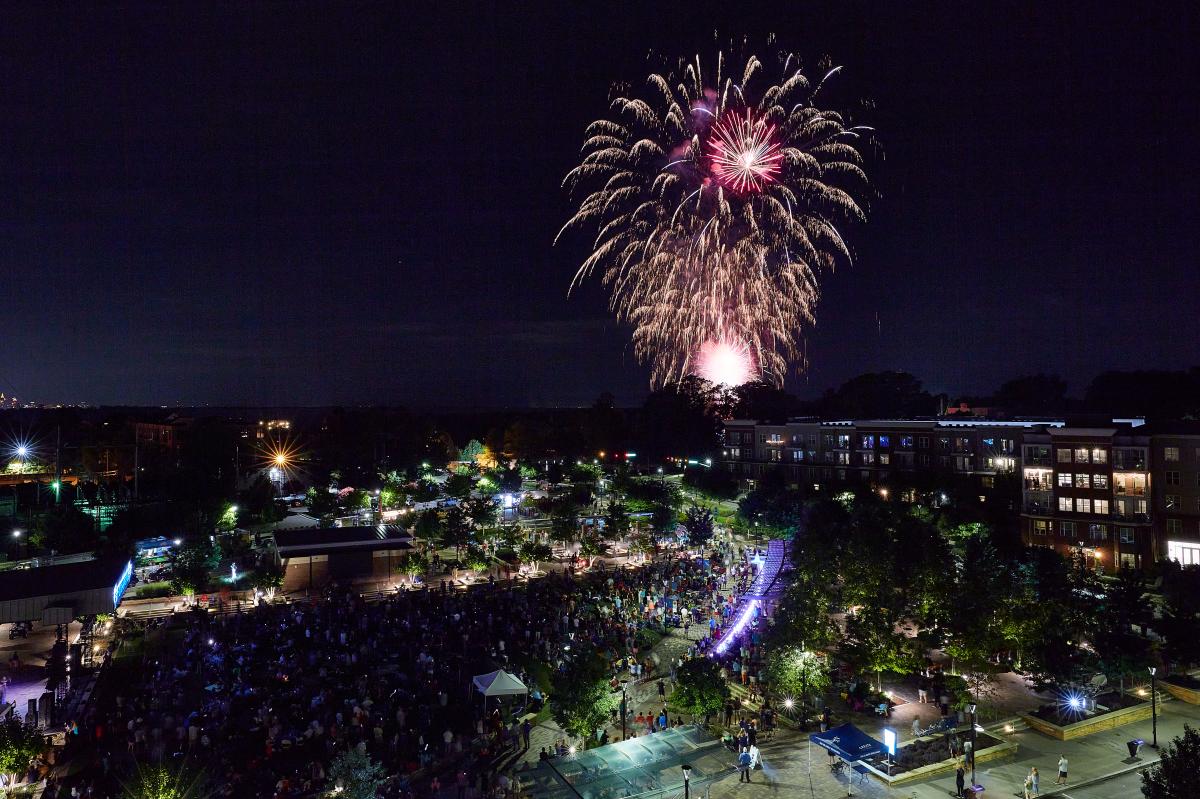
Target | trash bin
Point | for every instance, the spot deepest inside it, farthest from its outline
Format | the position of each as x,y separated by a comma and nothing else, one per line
974,790
1134,746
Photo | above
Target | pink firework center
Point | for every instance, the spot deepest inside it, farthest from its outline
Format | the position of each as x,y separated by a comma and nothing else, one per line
725,363
745,156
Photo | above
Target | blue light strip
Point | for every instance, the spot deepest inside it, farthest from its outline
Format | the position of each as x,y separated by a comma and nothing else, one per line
122,584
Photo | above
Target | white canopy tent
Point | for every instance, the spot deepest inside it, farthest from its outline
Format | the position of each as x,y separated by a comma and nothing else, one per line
499,683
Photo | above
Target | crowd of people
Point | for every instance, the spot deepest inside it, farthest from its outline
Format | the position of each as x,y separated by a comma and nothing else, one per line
264,700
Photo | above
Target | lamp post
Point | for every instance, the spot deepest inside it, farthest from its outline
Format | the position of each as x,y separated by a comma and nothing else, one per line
624,705
687,777
971,710
1153,707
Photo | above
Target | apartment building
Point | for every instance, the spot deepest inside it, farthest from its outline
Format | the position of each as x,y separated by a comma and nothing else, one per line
1175,452
1087,489
875,452
1125,494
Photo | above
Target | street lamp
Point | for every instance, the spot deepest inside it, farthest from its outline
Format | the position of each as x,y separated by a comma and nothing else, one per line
687,776
624,706
1153,706
971,710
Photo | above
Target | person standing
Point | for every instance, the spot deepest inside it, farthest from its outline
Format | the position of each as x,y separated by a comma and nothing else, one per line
960,781
744,762
1033,777
1062,770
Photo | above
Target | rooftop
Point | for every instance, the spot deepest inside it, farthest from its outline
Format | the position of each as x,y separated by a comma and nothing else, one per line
65,578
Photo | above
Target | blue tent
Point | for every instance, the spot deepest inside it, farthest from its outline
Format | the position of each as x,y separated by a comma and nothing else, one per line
847,742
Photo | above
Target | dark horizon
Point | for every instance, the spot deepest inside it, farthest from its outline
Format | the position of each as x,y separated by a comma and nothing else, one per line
318,205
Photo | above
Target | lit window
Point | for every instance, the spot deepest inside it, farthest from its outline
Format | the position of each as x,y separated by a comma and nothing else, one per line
906,442
1083,481
868,442
1066,479
1101,507
1041,526
1099,481
1099,456
1171,454
1098,532
1065,504
885,442
1083,505
1126,535
1081,455
884,459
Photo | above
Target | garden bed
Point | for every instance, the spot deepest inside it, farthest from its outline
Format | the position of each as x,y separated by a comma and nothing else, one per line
928,757
1112,710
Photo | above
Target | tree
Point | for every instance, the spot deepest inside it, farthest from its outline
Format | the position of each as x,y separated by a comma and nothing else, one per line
698,522
482,512
1120,649
533,552
700,690
581,700
354,775
1180,624
873,645
161,782
471,451
616,521
663,519
564,521
428,525
321,501
258,501
1036,395
192,563
64,529
1175,775
879,395
796,672
456,532
475,560
268,579
411,564
19,745
459,486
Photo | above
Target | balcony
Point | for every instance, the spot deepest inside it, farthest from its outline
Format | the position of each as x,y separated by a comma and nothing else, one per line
1131,518
1038,509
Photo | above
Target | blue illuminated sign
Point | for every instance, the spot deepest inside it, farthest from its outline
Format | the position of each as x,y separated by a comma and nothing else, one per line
122,584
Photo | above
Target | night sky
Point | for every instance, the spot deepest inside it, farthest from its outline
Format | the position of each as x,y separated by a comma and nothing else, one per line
334,203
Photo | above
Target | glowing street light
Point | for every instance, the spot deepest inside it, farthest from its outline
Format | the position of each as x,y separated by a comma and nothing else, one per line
16,533
22,452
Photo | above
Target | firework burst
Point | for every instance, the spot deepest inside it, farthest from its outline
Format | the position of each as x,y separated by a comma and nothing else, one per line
716,200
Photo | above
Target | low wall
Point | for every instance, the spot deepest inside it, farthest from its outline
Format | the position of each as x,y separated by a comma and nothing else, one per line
1189,695
1088,726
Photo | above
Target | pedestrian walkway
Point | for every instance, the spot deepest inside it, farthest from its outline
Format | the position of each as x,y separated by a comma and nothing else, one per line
788,770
